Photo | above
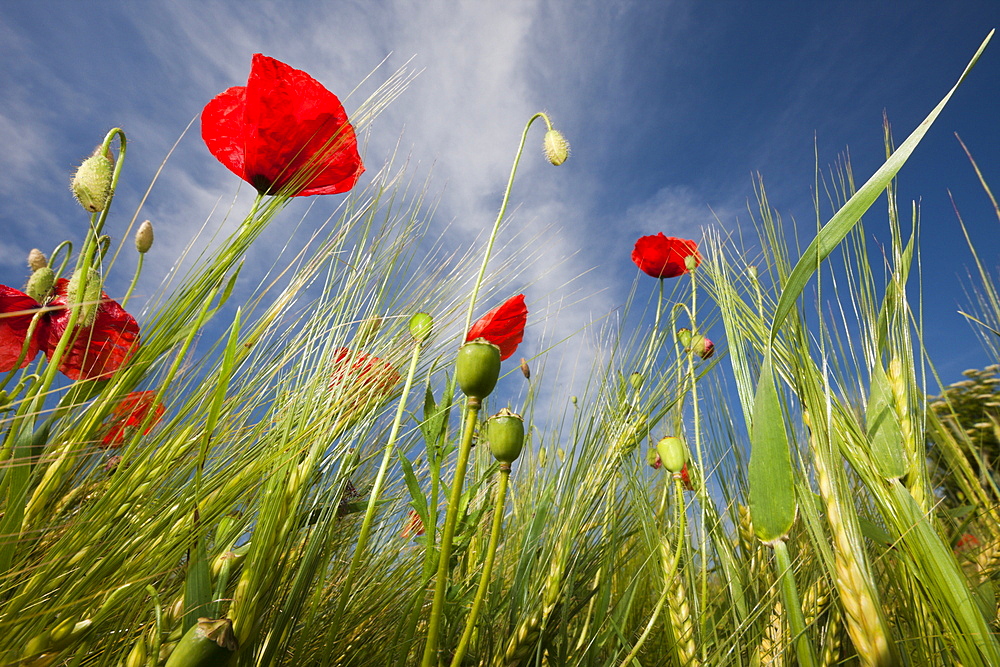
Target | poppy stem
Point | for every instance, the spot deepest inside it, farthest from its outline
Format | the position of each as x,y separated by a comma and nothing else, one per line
484,577
135,280
500,215
366,525
448,533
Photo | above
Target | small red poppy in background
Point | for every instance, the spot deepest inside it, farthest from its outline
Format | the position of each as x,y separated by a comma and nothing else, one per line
130,414
98,350
967,542
664,256
414,525
362,376
283,130
503,326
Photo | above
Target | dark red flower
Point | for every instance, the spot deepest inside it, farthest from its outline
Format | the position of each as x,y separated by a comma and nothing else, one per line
283,130
663,256
503,326
97,350
685,477
131,413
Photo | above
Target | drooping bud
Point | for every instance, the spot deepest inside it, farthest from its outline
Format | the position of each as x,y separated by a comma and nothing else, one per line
478,368
525,369
684,337
556,147
702,346
421,326
92,181
37,259
505,432
40,284
89,296
673,453
653,459
144,237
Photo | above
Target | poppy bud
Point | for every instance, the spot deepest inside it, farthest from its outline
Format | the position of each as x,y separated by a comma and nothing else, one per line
672,452
556,147
92,181
653,459
37,260
40,284
421,325
90,296
144,237
505,432
525,369
478,368
636,380
702,346
684,337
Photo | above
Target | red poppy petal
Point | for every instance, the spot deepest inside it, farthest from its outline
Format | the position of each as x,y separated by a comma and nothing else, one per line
222,128
15,319
99,349
664,256
132,412
296,132
503,326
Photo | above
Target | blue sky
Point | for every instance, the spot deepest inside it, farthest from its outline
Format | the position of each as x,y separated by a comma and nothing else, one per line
670,107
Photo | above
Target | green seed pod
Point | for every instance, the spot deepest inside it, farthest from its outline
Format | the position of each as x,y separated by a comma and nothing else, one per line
505,432
92,181
478,368
207,642
90,296
144,237
37,259
556,147
673,453
40,284
421,325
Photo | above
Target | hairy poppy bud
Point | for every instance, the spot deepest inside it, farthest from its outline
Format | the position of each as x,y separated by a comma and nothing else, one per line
90,296
144,237
653,459
37,260
684,337
673,453
92,181
478,368
556,147
40,284
505,432
421,326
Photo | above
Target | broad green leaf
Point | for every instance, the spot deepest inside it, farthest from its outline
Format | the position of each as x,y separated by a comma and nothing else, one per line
772,484
834,231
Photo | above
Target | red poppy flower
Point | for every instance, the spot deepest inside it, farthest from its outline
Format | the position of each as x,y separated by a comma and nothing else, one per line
283,130
503,326
664,256
362,378
414,525
131,413
97,350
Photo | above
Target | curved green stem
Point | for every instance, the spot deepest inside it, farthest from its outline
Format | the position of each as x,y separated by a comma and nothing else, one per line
135,280
500,214
366,524
484,578
448,533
